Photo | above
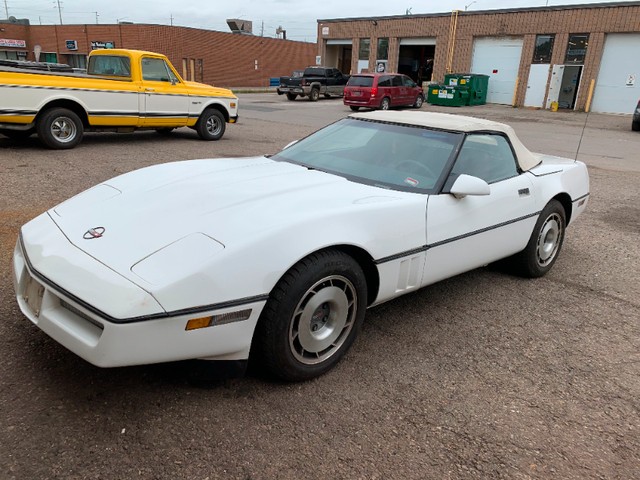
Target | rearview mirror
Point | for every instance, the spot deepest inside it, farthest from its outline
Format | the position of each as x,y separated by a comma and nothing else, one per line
468,185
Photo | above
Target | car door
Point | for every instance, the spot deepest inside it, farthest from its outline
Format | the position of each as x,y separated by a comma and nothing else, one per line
468,232
397,91
411,90
166,99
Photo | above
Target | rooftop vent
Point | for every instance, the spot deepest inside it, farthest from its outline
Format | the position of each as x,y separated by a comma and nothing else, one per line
242,27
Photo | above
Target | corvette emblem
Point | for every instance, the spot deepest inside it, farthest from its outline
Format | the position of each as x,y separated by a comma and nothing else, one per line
92,233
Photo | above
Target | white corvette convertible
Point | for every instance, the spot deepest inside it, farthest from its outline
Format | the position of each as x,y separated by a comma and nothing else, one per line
279,257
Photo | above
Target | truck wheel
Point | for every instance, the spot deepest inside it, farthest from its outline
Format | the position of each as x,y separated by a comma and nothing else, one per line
291,96
60,128
211,125
314,95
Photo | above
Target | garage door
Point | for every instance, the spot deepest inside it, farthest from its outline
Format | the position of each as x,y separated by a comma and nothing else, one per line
618,86
498,57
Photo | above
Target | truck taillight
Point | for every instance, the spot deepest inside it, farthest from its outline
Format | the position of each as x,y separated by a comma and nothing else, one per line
374,91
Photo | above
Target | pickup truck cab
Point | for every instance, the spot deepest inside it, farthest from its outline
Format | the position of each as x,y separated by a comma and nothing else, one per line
123,90
315,81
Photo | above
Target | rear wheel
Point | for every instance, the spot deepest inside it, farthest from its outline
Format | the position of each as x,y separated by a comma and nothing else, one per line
291,96
314,95
419,101
354,108
211,125
385,103
60,128
312,316
545,243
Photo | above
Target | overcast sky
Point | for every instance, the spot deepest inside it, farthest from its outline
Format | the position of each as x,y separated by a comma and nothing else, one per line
298,18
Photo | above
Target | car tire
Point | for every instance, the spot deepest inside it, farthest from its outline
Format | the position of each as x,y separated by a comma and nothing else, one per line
291,96
17,134
419,101
165,131
354,108
635,126
314,95
211,125
59,128
545,243
385,103
312,316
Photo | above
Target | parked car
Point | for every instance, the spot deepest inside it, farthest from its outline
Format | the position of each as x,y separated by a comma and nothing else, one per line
279,256
315,81
382,90
635,123
122,91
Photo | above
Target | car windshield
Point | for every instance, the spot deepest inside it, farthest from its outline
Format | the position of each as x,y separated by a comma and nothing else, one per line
400,157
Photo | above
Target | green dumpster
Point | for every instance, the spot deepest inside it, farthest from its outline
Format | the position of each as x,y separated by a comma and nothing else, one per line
460,89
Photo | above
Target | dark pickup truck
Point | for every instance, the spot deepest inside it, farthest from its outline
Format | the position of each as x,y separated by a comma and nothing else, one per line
314,82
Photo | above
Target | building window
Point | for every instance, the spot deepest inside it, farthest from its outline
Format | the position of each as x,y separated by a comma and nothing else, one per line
192,69
544,49
12,55
184,69
76,61
49,57
383,49
364,49
577,47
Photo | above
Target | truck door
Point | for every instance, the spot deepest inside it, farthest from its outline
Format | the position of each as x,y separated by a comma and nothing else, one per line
166,100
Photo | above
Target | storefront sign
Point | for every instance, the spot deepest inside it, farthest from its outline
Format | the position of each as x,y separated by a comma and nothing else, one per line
100,45
8,42
325,30
71,44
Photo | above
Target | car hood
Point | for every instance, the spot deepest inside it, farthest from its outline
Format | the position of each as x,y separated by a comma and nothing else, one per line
204,89
209,205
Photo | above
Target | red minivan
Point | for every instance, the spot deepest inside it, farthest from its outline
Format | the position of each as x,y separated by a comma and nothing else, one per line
382,90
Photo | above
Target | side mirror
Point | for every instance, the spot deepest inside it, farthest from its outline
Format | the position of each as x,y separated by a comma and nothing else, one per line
468,185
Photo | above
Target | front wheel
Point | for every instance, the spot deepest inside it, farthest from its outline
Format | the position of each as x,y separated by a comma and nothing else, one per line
545,243
419,101
314,95
211,125
60,128
312,316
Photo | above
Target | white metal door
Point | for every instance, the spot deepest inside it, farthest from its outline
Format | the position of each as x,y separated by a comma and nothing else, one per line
555,84
536,85
498,57
617,89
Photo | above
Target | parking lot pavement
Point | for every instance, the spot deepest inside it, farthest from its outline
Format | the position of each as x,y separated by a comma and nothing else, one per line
481,376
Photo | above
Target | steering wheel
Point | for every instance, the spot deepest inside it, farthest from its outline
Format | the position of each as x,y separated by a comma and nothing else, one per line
413,166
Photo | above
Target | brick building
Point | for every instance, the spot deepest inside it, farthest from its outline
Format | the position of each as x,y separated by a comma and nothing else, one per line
218,58
578,55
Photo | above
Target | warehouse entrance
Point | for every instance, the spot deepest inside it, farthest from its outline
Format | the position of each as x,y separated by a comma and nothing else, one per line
338,55
415,58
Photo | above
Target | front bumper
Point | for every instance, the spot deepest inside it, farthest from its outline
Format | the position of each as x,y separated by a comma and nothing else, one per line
77,324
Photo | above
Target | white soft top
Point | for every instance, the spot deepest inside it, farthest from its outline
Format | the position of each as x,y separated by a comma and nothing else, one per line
454,123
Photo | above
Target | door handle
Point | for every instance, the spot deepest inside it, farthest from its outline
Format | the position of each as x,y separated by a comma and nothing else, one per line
149,89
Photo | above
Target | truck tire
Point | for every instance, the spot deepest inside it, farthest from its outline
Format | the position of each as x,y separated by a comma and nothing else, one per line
291,96
59,128
211,125
314,95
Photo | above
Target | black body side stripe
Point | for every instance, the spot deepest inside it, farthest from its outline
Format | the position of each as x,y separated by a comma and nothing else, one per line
580,198
106,317
424,248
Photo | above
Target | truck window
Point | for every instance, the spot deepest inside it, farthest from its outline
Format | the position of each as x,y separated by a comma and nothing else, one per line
157,70
109,66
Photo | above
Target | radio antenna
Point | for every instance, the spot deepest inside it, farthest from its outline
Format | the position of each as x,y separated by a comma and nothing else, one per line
586,118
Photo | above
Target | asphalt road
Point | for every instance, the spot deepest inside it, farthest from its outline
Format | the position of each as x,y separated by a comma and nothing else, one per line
481,376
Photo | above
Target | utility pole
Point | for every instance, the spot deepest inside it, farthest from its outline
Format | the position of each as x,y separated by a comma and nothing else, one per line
262,29
59,11
97,15
171,18
6,9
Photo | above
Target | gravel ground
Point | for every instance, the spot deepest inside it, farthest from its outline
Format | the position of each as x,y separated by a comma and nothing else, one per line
481,376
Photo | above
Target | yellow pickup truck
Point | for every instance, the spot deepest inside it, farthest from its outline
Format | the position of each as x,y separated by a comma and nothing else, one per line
122,90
